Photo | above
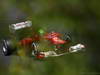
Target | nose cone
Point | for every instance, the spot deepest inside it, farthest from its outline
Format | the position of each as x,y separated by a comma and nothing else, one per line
76,48
81,45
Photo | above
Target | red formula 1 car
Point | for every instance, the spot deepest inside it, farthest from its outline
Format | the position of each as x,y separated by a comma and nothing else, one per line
46,44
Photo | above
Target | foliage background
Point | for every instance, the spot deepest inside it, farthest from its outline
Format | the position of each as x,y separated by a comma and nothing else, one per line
79,17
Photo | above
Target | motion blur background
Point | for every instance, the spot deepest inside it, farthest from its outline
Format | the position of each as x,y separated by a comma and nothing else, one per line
79,17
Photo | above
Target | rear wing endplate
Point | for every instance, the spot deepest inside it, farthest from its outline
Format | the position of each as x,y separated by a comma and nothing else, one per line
21,25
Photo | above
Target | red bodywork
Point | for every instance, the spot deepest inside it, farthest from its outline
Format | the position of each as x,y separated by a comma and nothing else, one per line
53,37
26,41
40,56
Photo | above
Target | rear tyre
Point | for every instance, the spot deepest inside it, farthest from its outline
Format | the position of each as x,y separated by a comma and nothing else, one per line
7,47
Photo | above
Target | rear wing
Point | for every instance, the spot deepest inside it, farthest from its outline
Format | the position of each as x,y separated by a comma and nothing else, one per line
21,25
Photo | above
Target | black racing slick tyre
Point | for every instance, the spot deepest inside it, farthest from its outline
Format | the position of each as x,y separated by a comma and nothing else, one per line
7,47
67,37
